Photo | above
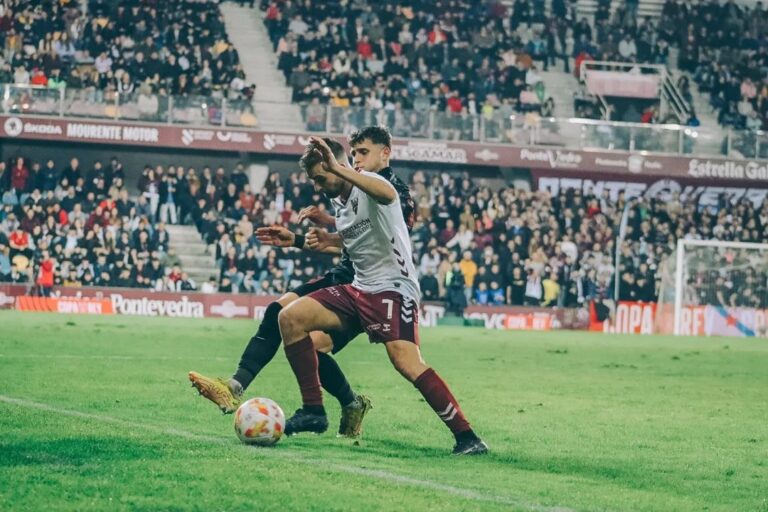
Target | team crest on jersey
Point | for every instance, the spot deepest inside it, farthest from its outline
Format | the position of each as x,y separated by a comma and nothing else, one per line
354,205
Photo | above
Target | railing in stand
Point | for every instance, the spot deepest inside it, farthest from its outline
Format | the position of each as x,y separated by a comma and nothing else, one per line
502,126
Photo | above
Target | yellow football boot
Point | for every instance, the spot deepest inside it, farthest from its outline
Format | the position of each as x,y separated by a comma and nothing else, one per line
217,391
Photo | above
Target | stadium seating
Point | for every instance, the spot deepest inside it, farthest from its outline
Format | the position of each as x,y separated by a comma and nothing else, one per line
473,244
86,221
462,59
145,52
503,246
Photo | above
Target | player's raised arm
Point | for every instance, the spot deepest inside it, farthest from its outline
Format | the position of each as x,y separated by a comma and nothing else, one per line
380,190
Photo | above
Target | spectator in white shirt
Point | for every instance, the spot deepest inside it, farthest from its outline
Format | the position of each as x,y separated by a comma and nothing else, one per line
627,48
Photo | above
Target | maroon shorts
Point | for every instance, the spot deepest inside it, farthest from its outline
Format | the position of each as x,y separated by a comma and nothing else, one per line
385,316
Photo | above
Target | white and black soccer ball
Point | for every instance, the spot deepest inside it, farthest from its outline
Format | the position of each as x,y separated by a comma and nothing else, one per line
259,421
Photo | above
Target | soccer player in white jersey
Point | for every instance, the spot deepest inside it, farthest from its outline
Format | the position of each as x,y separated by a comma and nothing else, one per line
384,295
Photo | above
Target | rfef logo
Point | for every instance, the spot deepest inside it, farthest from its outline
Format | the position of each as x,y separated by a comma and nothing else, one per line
13,126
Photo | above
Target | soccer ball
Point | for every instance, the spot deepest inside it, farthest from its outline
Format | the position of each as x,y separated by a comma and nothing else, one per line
259,421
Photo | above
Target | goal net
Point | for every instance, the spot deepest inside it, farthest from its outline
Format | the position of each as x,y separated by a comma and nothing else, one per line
714,288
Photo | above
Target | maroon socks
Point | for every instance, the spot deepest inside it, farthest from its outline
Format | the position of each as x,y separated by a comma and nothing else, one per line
303,360
442,401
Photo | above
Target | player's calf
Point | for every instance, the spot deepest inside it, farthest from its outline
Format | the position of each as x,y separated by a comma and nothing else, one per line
406,358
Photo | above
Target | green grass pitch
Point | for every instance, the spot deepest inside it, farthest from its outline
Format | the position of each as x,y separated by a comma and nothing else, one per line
96,413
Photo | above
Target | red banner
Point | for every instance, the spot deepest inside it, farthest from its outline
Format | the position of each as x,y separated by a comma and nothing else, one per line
629,318
64,305
704,169
528,318
710,320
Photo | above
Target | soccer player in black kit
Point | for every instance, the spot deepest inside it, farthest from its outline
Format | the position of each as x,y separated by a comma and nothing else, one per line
261,349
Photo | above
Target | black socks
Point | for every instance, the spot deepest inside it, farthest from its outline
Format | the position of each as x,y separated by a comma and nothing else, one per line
262,347
333,379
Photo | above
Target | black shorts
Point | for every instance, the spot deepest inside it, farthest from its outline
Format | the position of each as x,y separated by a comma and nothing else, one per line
340,338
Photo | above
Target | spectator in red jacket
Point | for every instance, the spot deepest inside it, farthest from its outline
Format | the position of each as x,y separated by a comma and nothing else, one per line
454,103
364,48
19,242
39,78
45,276
19,178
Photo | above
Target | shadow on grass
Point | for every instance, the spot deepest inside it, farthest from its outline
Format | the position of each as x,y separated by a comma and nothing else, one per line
75,451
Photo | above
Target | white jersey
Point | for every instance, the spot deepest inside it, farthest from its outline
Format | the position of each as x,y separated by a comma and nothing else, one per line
376,238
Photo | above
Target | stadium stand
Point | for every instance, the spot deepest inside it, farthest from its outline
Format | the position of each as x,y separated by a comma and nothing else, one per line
86,222
502,246
473,244
456,57
143,52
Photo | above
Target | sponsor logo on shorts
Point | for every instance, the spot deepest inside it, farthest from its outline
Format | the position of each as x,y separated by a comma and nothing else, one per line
380,328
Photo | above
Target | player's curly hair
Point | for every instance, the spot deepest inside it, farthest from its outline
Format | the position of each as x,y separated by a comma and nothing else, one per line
376,134
312,156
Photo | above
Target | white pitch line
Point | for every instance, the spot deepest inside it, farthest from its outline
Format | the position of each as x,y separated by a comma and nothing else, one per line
377,474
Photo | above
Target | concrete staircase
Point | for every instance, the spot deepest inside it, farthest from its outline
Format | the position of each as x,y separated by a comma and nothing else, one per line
272,98
561,86
186,242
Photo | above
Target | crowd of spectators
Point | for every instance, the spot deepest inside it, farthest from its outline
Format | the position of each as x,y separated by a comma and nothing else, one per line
720,45
723,46
143,50
473,243
76,226
454,57
468,59
444,66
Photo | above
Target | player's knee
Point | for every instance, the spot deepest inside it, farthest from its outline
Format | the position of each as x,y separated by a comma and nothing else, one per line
287,299
288,319
271,313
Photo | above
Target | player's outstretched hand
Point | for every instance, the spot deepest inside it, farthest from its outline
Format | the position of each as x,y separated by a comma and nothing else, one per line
330,164
317,216
275,235
318,239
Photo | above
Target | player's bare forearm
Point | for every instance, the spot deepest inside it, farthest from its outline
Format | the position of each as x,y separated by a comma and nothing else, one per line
326,220
381,191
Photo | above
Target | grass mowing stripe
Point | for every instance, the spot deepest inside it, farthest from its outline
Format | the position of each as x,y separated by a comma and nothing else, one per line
341,468
114,357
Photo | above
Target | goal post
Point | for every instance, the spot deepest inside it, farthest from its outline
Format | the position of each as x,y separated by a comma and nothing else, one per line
714,288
